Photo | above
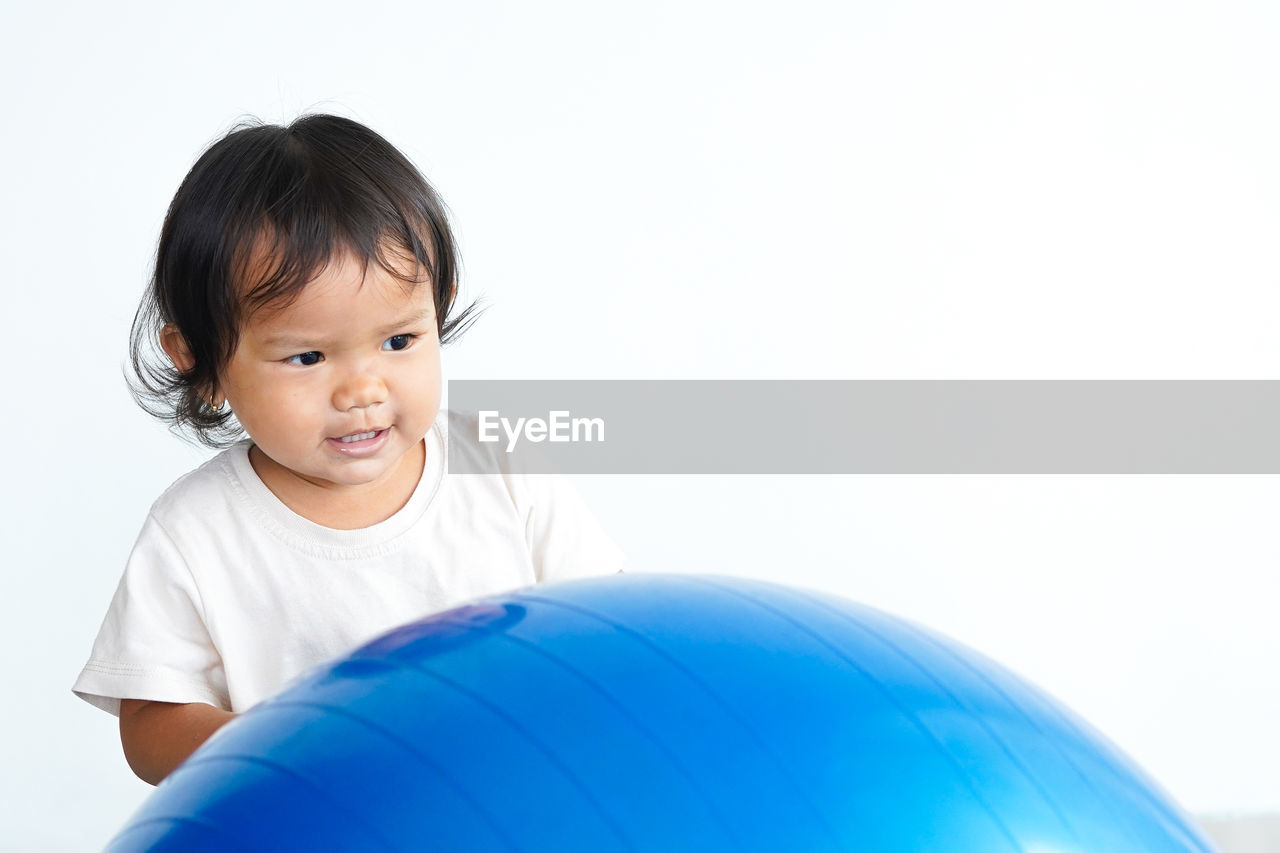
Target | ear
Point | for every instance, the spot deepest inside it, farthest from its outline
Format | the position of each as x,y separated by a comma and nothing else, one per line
175,346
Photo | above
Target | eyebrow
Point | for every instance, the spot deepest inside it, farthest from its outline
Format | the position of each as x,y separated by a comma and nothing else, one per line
292,340
409,320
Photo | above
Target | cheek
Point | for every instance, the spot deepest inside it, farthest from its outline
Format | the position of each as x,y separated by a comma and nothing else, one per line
421,379
427,361
278,407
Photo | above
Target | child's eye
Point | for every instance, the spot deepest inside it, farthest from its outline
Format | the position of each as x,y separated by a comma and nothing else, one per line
398,342
305,359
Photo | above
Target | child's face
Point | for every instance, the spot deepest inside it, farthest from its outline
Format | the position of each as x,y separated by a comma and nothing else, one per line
349,360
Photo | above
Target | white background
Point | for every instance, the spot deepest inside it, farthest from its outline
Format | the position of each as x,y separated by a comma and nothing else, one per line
709,190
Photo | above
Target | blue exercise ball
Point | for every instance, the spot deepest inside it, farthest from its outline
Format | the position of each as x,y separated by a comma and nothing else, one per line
659,713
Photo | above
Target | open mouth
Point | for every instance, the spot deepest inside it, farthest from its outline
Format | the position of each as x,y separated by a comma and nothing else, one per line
360,443
359,436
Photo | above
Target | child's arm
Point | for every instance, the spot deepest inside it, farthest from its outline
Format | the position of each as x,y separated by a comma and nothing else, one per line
158,736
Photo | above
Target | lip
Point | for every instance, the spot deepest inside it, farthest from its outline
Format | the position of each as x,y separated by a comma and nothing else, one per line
364,447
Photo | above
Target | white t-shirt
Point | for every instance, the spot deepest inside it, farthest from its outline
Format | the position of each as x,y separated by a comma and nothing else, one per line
228,594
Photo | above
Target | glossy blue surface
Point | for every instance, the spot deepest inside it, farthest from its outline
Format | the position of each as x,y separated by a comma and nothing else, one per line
660,713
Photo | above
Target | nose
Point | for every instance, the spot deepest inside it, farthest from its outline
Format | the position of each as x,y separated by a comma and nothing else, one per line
359,390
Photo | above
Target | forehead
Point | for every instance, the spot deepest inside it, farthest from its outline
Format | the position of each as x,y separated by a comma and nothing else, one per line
271,282
345,296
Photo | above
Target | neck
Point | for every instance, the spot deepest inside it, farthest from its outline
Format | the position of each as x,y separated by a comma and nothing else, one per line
338,506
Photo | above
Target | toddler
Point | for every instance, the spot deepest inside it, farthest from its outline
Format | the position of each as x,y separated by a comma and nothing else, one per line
304,282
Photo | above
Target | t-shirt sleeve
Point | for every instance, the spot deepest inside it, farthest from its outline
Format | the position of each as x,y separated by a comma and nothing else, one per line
154,643
565,540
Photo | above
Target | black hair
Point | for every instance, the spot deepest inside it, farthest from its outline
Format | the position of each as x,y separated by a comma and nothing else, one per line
295,197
